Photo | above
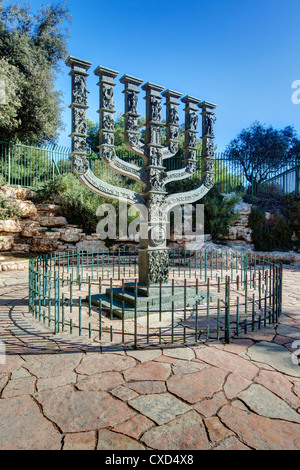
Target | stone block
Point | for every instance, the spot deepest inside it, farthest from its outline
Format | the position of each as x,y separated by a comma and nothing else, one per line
6,242
10,226
28,209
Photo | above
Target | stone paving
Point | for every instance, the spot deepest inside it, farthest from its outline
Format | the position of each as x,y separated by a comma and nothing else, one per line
60,392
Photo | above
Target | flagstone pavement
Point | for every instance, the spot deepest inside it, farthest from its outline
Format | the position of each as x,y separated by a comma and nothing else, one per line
59,392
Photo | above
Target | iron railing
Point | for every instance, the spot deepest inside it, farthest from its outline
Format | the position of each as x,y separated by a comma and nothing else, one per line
31,165
236,293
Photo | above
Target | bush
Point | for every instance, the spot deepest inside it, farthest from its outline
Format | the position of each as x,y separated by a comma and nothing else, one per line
219,213
9,209
274,218
78,203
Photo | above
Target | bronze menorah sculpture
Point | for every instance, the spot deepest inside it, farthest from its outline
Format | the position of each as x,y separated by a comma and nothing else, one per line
153,252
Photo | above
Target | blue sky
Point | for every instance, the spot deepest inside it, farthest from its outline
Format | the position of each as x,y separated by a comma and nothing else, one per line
242,55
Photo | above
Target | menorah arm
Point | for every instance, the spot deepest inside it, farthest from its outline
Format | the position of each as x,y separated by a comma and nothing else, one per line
181,173
189,197
95,184
124,168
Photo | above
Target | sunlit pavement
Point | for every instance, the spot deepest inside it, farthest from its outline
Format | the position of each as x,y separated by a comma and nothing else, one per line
64,392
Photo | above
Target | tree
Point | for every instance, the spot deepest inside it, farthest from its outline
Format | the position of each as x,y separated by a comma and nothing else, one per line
31,49
262,150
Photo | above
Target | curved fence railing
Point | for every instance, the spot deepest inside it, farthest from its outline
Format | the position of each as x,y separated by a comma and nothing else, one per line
211,294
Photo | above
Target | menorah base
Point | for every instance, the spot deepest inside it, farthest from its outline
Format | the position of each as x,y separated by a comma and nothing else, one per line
141,301
153,266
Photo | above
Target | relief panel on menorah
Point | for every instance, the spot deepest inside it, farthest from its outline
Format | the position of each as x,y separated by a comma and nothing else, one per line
173,117
107,96
79,144
209,123
107,121
155,109
155,157
193,121
79,90
131,123
131,102
79,125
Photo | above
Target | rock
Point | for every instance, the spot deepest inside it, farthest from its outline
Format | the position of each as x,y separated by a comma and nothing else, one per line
44,245
23,426
90,245
31,229
198,385
10,226
185,433
79,411
109,440
6,242
160,408
265,403
148,371
28,209
275,355
49,209
259,432
70,237
20,248
52,221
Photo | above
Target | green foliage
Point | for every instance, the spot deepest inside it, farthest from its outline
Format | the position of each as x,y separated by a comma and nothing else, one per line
79,204
31,48
274,218
260,150
219,213
9,209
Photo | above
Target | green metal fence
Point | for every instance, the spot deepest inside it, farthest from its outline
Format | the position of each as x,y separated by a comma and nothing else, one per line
31,165
236,293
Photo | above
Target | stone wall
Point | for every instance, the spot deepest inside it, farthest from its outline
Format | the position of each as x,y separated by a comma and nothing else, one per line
41,228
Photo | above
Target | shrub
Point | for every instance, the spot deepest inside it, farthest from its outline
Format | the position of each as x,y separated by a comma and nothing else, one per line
9,209
274,218
219,214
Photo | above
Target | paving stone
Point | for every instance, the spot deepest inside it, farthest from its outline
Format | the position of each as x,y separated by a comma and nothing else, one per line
266,403
147,387
231,443
135,426
259,432
58,381
3,381
216,430
180,353
80,441
105,381
109,440
124,393
280,385
75,411
16,387
97,363
238,345
52,365
148,371
188,367
23,427
235,383
289,331
12,363
227,361
145,355
160,408
196,386
165,359
210,407
185,433
18,374
275,355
